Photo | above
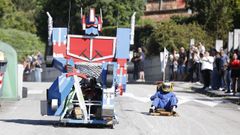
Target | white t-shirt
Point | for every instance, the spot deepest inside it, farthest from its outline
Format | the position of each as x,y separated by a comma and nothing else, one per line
207,63
202,49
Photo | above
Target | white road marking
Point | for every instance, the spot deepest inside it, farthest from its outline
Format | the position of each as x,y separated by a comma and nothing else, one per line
209,103
181,99
142,99
184,99
36,92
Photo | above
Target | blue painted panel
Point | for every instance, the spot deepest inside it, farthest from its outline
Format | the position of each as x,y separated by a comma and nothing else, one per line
123,43
91,30
60,89
104,73
124,79
59,63
59,34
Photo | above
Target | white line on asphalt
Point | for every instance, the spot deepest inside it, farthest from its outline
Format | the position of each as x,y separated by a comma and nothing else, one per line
181,100
208,101
142,99
36,91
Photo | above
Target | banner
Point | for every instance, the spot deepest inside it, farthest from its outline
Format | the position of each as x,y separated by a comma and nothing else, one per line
236,40
230,41
132,28
219,45
50,28
164,59
192,42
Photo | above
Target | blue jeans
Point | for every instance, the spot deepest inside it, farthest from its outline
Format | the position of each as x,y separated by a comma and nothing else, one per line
37,75
229,80
224,77
181,69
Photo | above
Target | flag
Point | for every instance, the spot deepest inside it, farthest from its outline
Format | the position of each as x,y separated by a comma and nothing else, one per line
164,59
219,45
236,39
50,28
132,28
230,41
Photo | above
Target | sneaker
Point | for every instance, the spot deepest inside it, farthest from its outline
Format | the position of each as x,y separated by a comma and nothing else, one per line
198,83
139,80
228,92
221,89
152,109
174,109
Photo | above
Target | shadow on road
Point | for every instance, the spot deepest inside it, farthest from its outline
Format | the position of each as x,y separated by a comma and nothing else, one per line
52,123
31,122
181,91
216,93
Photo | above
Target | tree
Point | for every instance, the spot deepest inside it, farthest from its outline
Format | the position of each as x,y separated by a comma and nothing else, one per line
215,15
19,14
24,43
173,36
115,12
236,15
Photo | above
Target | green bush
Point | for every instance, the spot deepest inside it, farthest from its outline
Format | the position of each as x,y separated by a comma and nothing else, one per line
173,36
24,43
109,31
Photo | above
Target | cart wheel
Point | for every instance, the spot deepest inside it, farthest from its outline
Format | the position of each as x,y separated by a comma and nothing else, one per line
109,82
111,126
130,67
110,68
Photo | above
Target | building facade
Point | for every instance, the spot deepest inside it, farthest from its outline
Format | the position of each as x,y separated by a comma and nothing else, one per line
160,10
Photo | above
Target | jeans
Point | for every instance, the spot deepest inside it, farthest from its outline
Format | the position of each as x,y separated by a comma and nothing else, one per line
224,76
37,74
181,69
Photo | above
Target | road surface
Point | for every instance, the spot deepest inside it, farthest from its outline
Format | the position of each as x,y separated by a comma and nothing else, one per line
199,115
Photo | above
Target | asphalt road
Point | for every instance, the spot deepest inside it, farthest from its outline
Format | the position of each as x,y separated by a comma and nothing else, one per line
198,115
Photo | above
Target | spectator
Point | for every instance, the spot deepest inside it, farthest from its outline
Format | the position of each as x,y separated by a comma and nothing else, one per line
217,71
173,65
235,72
201,48
135,61
207,67
190,66
223,69
182,63
196,64
37,64
27,66
141,65
40,57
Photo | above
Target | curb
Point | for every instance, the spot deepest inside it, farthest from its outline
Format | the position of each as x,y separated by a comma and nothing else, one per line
216,93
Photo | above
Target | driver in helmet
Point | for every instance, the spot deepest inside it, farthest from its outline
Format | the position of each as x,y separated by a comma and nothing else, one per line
164,98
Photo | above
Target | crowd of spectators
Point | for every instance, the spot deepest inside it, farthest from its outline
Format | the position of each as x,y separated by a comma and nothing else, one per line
216,70
138,61
33,67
